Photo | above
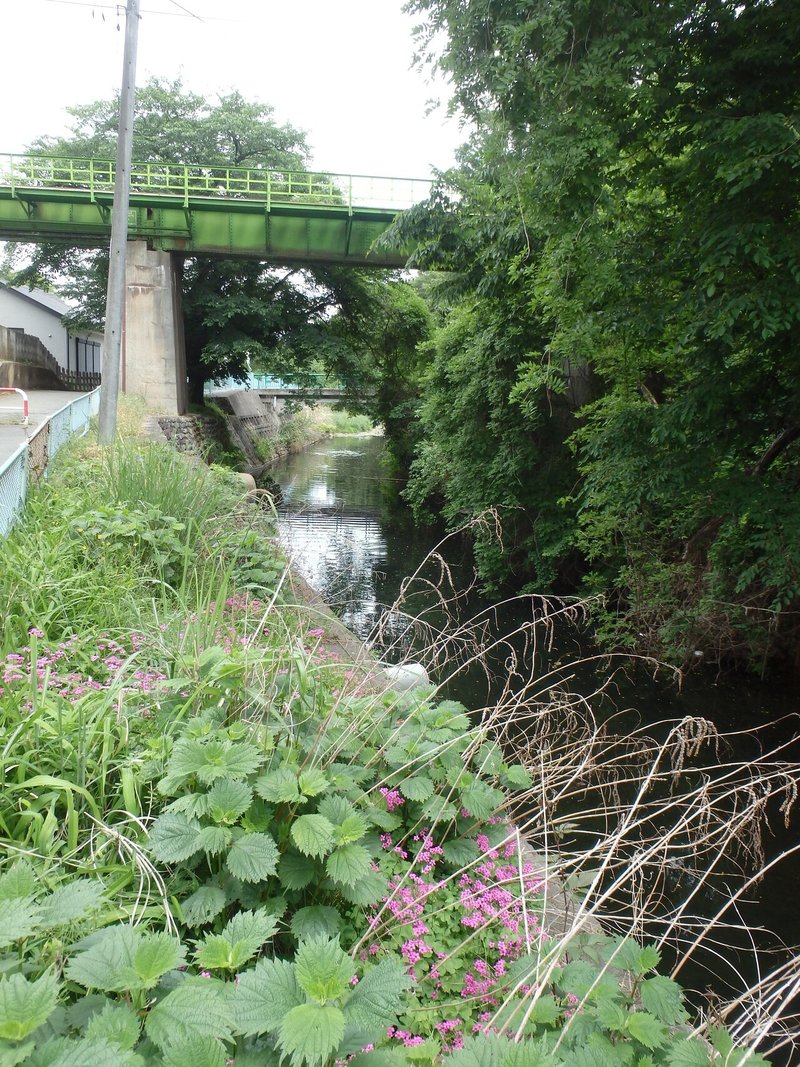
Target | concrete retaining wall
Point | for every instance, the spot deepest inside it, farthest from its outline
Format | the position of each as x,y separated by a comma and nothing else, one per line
25,363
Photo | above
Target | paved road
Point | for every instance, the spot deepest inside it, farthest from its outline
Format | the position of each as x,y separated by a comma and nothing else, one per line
41,403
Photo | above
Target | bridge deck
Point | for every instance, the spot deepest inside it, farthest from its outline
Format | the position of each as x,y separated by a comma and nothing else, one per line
281,216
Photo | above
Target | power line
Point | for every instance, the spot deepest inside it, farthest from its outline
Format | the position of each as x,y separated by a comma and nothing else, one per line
184,13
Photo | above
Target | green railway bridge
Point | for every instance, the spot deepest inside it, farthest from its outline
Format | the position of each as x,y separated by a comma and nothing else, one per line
175,211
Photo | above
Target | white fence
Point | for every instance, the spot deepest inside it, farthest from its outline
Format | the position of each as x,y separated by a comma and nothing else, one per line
29,463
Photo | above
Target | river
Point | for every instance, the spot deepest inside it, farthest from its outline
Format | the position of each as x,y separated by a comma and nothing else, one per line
345,532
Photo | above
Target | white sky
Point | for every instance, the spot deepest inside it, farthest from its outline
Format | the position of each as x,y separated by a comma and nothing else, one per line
338,69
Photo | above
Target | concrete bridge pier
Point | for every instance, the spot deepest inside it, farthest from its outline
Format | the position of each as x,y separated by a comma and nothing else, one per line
154,350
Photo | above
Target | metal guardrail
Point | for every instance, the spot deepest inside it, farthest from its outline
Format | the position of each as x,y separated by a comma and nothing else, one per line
28,465
24,174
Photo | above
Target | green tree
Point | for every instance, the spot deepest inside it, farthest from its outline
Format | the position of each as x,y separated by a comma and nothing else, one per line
631,189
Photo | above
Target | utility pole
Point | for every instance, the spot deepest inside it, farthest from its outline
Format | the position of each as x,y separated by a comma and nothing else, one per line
115,294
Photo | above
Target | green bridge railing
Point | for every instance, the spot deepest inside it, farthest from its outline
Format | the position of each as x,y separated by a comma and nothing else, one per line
25,173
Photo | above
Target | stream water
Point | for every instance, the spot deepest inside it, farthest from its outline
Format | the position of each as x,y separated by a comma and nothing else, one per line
356,546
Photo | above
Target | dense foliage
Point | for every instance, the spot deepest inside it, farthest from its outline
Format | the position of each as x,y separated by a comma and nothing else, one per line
216,850
622,245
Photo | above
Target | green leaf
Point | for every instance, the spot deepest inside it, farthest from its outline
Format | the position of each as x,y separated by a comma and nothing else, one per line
348,864
214,839
369,890
228,800
312,782
156,954
198,1007
313,835
316,921
253,857
18,881
12,1055
116,1023
71,901
263,996
322,969
25,1005
646,1029
482,801
546,1011
378,997
19,917
107,963
197,1052
279,786
95,1051
663,998
296,871
460,851
384,820
226,759
203,905
310,1033
688,1052
239,941
517,775
174,837
420,787
351,829
335,808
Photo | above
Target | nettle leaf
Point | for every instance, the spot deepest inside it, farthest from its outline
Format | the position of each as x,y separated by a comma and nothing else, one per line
214,839
348,864
310,1033
384,820
194,805
228,800
173,837
312,782
460,852
279,786
663,998
378,997
61,1052
156,954
335,808
19,917
368,890
517,775
263,996
688,1052
646,1029
239,941
252,857
116,1023
11,1055
323,970
313,835
489,758
439,810
296,871
213,759
199,1052
108,962
420,787
351,829
25,1005
546,1011
482,801
203,905
71,901
197,1008
18,881
627,955
316,921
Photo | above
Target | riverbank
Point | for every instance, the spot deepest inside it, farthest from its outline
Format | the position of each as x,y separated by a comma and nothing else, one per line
195,795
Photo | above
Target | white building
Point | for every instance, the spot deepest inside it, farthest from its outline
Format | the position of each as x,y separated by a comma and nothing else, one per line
39,315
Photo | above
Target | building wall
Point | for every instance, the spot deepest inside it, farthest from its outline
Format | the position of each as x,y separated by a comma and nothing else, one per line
17,312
